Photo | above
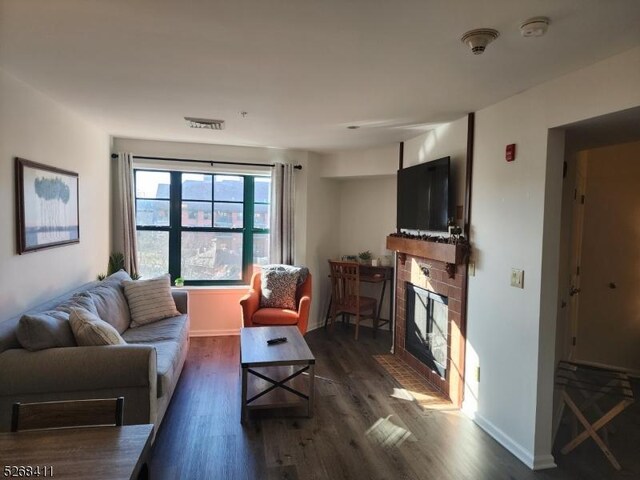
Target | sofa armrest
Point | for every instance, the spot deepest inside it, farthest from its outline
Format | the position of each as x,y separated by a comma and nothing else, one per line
249,303
181,297
74,369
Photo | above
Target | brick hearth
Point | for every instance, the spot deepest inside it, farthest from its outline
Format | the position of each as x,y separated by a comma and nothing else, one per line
438,282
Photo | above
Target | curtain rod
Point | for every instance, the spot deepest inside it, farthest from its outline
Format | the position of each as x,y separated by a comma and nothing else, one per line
208,162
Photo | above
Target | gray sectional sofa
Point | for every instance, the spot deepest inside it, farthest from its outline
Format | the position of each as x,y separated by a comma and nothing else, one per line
145,371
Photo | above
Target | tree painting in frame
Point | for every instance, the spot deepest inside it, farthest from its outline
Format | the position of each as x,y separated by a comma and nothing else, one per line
47,206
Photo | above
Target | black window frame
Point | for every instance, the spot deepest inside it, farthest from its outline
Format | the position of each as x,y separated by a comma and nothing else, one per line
175,227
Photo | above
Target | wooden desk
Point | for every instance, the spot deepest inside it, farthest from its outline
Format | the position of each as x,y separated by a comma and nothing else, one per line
379,274
80,453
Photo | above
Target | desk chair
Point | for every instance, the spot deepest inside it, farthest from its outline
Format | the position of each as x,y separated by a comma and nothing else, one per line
66,414
345,295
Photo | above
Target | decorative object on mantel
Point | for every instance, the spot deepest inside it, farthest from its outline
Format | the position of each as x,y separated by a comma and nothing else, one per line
425,269
453,250
365,257
46,206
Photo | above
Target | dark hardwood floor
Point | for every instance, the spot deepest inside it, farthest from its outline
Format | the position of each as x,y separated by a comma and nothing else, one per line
359,430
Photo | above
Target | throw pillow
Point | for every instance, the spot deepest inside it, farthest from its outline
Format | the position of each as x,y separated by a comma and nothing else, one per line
90,331
39,331
279,285
111,304
149,300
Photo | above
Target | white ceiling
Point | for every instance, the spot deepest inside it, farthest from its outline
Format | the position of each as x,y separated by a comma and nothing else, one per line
303,69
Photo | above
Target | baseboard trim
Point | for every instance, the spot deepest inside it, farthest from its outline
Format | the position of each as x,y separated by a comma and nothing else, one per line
214,333
539,462
543,462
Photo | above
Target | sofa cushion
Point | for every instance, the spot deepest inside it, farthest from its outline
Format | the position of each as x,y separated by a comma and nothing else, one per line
279,285
50,329
169,354
275,316
174,328
89,330
116,278
79,300
111,304
149,300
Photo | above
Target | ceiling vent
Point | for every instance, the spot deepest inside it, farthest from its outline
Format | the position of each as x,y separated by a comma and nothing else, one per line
205,123
478,39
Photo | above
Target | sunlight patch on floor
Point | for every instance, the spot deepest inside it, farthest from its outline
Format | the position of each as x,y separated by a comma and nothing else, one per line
387,434
413,386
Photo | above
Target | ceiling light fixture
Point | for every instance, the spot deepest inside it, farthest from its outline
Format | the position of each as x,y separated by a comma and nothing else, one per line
204,123
534,27
478,39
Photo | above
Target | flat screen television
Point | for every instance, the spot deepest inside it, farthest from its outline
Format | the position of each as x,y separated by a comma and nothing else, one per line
423,196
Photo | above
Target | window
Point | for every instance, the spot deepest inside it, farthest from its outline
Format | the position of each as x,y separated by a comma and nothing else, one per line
207,228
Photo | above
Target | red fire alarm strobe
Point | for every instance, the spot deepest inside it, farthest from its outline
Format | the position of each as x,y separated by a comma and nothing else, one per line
510,153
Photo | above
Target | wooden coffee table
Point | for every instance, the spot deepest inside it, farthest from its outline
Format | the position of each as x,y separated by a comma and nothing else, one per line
272,374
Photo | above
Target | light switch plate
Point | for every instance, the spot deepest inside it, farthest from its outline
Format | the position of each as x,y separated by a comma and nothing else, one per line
472,269
517,278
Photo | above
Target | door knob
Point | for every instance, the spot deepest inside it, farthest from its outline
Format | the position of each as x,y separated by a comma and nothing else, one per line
573,291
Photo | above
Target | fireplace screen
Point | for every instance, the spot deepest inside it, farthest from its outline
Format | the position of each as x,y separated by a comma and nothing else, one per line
427,327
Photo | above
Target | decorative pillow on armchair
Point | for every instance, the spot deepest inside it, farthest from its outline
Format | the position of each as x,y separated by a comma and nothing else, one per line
279,284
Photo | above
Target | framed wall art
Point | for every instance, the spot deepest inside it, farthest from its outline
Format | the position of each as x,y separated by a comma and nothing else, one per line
47,212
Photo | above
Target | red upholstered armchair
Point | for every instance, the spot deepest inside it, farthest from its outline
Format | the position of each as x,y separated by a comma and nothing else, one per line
254,316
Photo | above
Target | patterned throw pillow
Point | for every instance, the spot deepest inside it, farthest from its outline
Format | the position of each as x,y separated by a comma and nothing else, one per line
90,331
279,287
150,300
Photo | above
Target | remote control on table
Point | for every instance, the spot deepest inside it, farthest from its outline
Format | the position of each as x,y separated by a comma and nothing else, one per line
274,341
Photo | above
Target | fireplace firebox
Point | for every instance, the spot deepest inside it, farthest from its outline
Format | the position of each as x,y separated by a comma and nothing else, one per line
427,327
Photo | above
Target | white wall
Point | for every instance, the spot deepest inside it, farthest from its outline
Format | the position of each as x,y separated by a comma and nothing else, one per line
323,208
515,223
367,215
361,162
34,127
609,319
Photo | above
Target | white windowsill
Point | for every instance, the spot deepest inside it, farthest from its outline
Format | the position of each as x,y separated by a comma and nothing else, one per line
205,288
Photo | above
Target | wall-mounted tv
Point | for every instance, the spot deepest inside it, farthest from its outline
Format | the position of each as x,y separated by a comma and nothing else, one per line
423,196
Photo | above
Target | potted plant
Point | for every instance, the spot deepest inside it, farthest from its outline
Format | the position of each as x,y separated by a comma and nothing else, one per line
116,263
365,257
179,282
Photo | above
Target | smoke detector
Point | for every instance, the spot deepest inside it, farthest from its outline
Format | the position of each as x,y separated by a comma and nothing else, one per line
478,39
204,123
534,27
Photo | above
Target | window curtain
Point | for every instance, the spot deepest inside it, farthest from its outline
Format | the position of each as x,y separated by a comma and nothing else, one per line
125,215
282,214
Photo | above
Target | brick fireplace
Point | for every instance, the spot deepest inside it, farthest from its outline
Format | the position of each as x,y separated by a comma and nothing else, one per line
441,270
